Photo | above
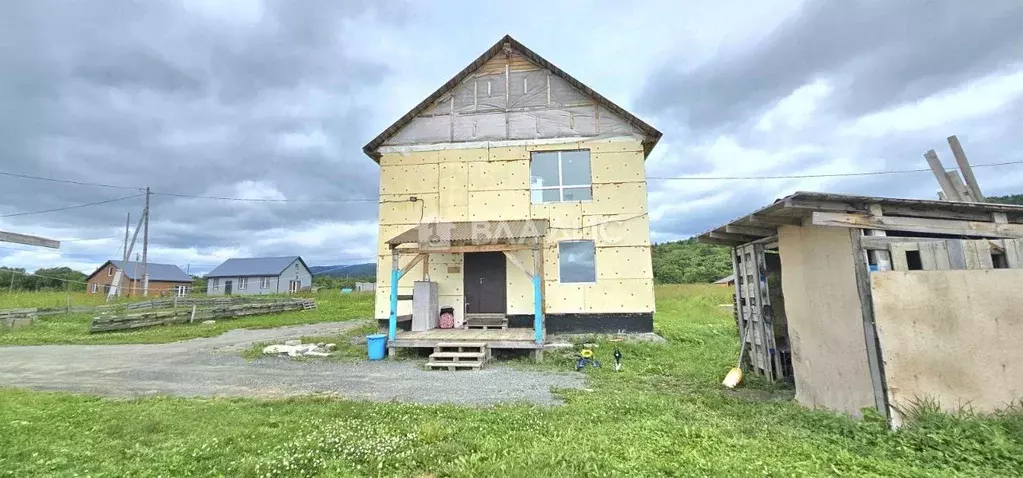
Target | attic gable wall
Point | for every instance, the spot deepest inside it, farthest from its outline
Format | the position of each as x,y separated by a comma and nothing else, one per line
509,98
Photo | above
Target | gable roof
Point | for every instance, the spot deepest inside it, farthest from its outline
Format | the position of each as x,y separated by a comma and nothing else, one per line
653,135
157,272
254,266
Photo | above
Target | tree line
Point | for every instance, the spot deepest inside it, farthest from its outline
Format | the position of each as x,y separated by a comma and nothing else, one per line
689,261
56,278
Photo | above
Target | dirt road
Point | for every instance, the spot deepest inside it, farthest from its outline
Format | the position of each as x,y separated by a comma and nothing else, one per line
212,367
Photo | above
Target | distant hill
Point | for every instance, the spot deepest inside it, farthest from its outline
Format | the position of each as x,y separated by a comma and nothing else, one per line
352,270
1010,199
689,261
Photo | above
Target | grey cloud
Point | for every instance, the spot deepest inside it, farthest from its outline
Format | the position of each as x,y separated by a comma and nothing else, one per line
149,94
877,53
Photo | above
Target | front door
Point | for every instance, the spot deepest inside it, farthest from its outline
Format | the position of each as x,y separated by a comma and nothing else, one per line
227,287
485,282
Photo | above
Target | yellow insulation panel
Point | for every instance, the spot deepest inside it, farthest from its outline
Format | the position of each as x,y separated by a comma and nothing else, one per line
617,229
498,175
498,205
411,158
617,167
454,194
384,270
561,215
614,146
565,298
520,286
462,155
555,146
621,295
383,302
408,179
617,199
514,153
397,209
624,263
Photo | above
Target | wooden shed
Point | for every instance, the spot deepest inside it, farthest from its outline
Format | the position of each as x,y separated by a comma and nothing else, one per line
882,302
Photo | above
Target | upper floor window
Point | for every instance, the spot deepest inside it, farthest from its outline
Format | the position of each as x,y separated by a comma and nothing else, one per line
110,271
560,176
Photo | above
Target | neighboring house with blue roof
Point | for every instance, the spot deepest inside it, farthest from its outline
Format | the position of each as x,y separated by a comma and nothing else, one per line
164,279
259,275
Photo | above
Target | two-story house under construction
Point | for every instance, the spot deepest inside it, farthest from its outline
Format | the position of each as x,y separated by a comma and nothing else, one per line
521,194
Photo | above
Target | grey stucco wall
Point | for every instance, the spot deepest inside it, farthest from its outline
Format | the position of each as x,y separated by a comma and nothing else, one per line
295,271
278,284
252,287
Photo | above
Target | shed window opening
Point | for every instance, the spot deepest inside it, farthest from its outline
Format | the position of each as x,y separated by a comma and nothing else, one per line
560,176
577,262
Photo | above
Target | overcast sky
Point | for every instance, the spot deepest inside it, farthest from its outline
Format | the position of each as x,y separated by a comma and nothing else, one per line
274,100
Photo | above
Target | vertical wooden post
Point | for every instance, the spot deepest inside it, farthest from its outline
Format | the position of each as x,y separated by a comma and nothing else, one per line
392,324
883,259
874,362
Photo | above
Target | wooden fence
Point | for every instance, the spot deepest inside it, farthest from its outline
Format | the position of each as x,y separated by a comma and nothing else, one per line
211,310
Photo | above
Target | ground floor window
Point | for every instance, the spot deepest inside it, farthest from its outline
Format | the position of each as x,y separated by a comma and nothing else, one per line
182,290
294,286
216,284
264,282
577,262
95,288
243,283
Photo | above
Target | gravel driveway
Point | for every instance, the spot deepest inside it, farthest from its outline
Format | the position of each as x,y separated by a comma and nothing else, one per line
212,367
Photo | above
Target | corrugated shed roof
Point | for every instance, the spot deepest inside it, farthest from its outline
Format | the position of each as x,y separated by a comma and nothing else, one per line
253,266
652,133
473,232
157,272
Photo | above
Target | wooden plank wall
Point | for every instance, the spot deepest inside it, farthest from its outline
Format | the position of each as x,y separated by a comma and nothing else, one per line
959,254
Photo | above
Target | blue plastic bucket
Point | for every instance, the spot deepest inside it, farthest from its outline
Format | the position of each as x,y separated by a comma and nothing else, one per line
376,346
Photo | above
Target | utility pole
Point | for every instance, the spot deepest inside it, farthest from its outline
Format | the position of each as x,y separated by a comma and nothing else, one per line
145,247
127,225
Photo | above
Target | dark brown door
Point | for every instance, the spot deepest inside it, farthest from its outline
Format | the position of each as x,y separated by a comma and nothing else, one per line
486,286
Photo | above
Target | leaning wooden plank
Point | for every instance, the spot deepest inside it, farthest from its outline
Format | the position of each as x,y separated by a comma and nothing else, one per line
957,182
934,256
939,173
964,166
27,240
978,255
918,224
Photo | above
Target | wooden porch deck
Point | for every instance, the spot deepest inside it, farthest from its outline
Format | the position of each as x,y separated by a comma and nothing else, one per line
517,338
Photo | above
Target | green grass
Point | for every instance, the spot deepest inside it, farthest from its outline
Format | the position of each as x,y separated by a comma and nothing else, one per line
664,414
331,305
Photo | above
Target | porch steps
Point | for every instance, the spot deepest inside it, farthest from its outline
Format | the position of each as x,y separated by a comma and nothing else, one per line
486,321
458,355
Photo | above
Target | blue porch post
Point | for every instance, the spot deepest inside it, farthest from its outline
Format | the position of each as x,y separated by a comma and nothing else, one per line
392,323
538,293
537,310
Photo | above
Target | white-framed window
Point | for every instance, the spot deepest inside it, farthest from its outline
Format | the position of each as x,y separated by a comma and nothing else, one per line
577,262
110,271
216,283
243,283
95,288
264,282
182,290
294,286
560,176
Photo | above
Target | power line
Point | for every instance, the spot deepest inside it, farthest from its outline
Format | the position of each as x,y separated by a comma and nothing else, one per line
65,181
223,198
66,208
809,176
